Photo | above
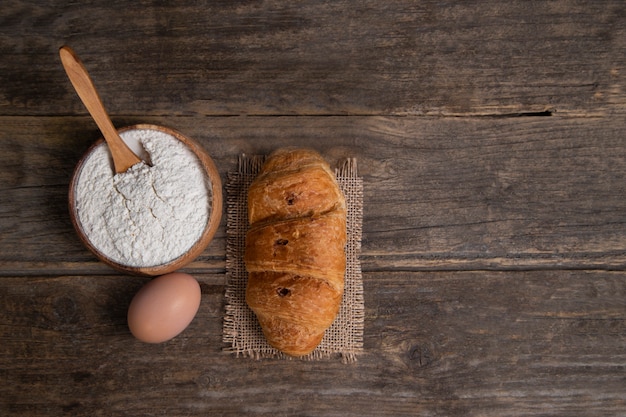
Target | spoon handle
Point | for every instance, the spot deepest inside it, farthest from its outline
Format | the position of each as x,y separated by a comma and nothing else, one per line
123,156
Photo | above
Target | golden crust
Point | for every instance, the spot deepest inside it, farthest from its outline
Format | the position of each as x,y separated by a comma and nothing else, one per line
286,189
305,246
301,300
295,249
294,340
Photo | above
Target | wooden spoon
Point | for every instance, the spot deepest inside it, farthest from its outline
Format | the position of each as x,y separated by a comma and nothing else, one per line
123,156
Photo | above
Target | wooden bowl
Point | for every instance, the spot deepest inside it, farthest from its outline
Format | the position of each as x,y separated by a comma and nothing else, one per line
197,248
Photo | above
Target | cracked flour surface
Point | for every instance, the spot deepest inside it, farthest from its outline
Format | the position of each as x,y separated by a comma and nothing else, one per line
149,215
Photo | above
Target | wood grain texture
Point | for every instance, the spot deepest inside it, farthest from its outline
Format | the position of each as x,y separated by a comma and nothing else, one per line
342,57
437,343
440,193
494,246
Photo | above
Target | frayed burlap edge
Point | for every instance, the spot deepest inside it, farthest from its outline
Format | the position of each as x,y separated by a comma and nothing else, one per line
241,331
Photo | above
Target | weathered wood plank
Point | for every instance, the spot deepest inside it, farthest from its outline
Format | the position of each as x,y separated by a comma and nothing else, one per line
494,246
440,193
536,343
342,57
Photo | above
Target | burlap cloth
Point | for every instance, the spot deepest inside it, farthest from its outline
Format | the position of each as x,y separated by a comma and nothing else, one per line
242,333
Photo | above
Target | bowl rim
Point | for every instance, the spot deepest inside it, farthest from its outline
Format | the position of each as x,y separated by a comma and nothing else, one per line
197,248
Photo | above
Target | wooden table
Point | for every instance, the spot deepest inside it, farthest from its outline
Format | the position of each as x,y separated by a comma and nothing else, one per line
490,136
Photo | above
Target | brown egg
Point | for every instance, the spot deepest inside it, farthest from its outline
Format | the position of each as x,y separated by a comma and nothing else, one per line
164,307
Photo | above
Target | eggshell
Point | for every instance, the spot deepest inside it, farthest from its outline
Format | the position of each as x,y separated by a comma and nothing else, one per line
164,307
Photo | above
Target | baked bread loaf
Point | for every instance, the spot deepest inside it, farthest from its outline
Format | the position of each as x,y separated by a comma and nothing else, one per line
295,249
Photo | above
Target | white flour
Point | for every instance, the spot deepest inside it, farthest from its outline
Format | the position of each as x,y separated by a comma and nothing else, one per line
149,215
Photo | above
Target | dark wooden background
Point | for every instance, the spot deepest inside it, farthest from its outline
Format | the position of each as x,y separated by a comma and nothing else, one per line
491,139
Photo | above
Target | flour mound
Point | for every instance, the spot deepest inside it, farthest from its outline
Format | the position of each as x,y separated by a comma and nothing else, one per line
150,214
